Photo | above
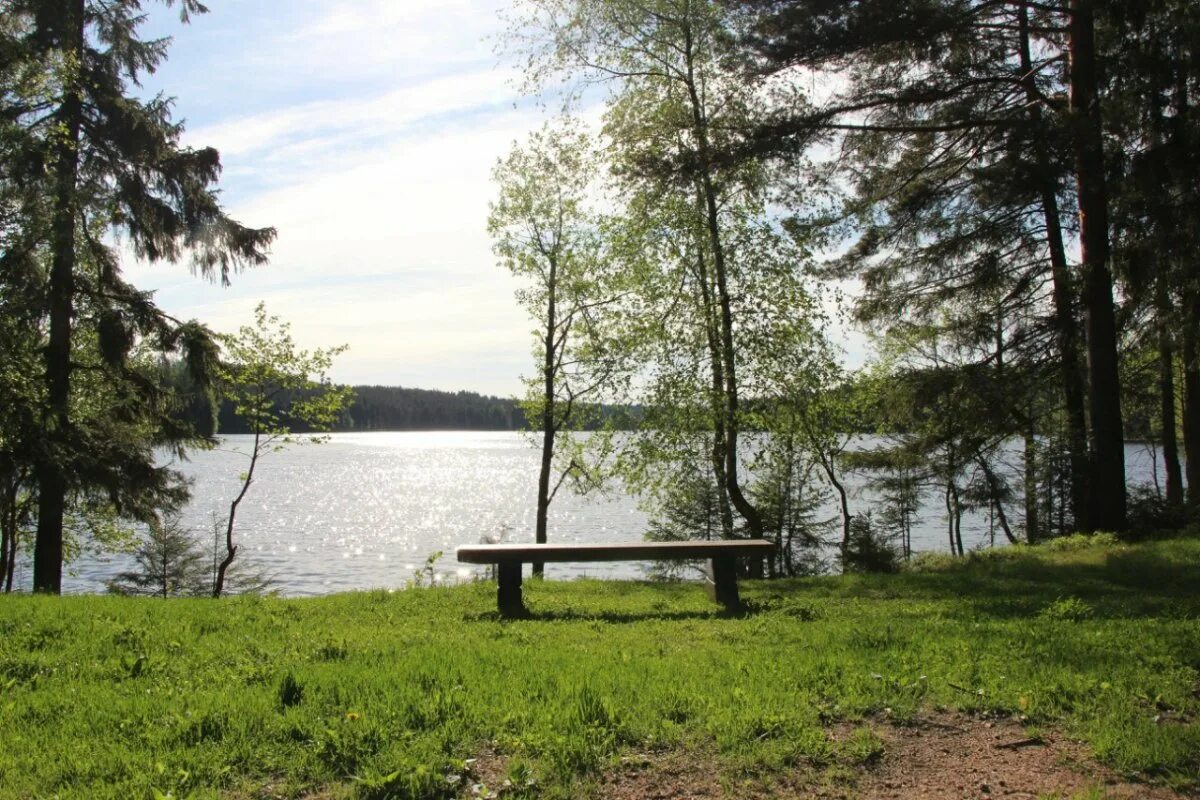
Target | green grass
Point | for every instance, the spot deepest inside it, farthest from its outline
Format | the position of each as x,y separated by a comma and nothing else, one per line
375,694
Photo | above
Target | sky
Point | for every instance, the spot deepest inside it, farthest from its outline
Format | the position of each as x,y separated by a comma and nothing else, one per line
365,132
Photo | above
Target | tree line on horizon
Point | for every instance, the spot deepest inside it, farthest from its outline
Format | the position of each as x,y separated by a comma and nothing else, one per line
379,408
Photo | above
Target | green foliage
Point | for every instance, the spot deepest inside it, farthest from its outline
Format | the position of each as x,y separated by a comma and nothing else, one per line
291,692
687,507
260,363
275,387
1067,609
171,562
545,233
790,500
1082,541
713,308
427,680
426,574
869,548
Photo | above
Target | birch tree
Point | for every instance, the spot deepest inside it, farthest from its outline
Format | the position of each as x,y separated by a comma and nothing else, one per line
545,234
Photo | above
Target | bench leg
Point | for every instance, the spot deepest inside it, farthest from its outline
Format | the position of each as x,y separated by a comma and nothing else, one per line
508,592
722,585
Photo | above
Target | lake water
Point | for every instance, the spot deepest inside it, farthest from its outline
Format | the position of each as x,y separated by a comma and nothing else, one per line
365,510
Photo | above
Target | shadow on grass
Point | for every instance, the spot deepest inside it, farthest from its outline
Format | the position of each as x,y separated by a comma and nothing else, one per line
614,617
1121,584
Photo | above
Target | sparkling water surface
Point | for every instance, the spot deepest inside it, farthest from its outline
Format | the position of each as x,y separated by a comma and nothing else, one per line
365,510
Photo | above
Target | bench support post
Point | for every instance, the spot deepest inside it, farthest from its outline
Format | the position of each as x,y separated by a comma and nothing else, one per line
508,592
722,585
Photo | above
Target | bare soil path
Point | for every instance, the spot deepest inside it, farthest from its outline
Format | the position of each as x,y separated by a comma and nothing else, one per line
939,757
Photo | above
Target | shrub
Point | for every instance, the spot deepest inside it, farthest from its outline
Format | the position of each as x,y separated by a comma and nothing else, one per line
869,549
170,563
1080,541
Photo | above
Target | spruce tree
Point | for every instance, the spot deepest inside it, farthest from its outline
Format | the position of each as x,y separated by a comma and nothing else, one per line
102,161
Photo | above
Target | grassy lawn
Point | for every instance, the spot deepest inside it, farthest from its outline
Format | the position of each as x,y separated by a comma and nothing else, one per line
378,694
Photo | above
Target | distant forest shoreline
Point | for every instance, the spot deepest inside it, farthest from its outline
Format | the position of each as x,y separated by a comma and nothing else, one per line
396,408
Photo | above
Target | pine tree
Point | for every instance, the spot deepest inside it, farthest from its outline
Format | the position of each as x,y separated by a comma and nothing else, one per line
170,563
963,149
99,160
1152,79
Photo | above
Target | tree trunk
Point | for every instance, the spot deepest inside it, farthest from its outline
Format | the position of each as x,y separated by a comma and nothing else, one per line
1170,443
230,547
720,442
1031,486
728,358
843,499
50,471
1191,397
993,483
543,499
11,565
1191,306
10,561
1066,328
549,352
1107,496
958,512
8,529
950,519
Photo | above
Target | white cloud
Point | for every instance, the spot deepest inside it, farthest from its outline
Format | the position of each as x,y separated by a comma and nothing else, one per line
366,133
330,122
371,37
384,248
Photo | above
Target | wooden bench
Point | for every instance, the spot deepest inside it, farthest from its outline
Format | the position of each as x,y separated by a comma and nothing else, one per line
721,555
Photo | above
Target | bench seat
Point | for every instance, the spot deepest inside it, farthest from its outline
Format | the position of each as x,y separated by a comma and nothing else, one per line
722,556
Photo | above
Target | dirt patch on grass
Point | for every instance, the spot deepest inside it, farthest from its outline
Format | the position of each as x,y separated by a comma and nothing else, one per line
953,757
943,757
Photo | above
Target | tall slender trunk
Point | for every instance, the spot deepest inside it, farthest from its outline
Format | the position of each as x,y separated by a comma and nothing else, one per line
8,530
1191,303
1167,421
720,442
549,357
231,548
993,482
1107,496
1050,471
1032,522
1066,329
843,499
728,353
50,470
958,514
911,493
11,561
11,565
950,517
1191,397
